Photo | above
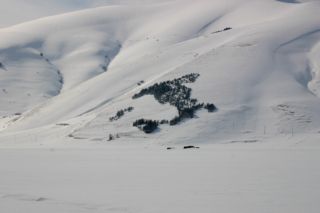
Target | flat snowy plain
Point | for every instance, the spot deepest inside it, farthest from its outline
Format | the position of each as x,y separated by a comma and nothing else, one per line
66,68
143,178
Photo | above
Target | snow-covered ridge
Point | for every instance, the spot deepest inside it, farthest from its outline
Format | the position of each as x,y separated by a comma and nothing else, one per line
80,68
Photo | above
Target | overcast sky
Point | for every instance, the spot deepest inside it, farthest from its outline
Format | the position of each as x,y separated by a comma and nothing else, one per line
17,11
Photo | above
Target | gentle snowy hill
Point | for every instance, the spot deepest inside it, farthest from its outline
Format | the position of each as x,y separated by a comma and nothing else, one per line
258,63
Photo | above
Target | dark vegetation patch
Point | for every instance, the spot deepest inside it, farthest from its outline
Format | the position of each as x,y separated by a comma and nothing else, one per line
210,107
191,147
104,66
184,147
147,126
120,113
113,137
140,83
176,94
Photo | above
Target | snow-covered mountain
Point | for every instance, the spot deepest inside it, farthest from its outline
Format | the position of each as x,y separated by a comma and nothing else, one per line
237,82
258,61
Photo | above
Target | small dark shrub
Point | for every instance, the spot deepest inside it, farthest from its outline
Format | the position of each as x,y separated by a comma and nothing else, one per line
175,121
120,113
148,126
140,83
139,122
210,107
186,113
111,137
164,122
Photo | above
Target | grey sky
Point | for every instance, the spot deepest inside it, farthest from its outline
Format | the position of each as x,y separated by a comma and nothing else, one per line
17,11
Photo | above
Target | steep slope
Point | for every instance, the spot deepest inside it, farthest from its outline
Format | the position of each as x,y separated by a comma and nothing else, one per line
262,74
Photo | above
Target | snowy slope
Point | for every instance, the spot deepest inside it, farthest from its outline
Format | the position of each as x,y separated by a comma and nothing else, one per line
62,77
80,68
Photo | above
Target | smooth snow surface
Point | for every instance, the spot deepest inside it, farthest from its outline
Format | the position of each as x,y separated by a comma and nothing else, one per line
66,67
134,178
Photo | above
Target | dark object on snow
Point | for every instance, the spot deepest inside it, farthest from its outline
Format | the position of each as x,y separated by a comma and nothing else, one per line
140,83
148,126
164,122
176,93
120,113
219,31
191,147
169,148
111,137
104,67
210,107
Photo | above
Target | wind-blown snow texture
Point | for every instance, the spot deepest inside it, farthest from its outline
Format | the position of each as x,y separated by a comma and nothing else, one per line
62,77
